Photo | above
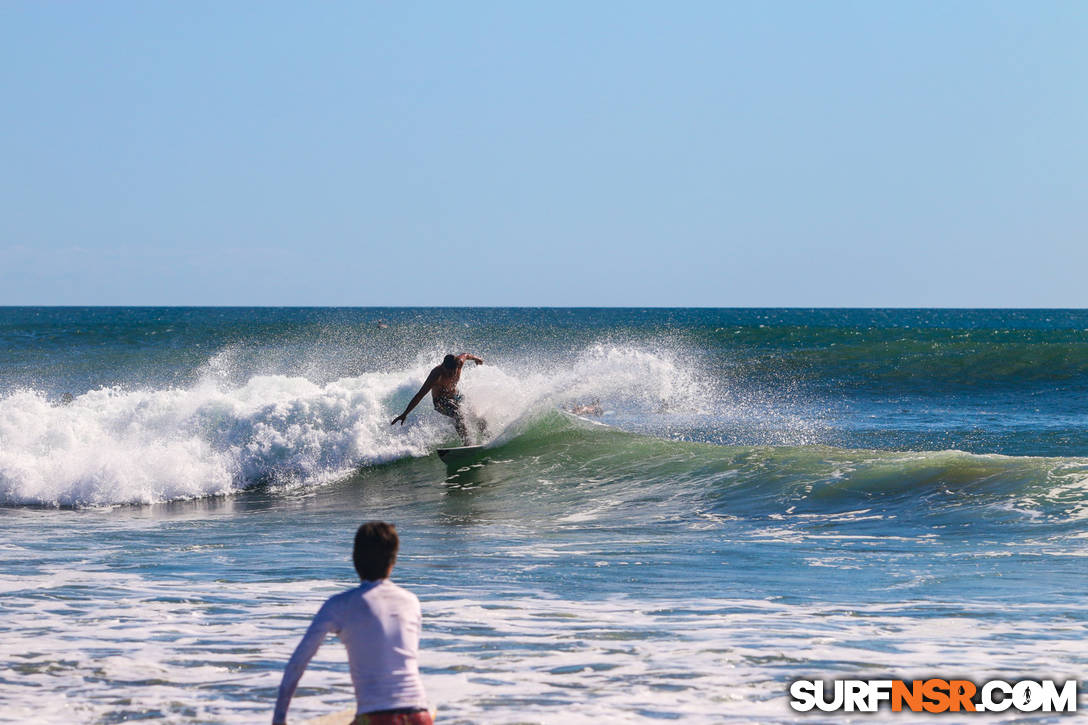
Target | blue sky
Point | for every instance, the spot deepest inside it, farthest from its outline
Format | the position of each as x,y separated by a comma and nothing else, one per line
552,153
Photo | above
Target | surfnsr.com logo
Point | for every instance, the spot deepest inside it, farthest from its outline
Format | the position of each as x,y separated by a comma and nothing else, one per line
933,695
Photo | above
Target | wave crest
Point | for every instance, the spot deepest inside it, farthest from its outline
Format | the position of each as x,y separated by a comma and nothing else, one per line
116,446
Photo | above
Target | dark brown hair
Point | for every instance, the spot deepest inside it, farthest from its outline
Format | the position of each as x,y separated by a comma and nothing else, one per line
376,545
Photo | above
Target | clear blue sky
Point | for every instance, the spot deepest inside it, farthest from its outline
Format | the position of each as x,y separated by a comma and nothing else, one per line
550,153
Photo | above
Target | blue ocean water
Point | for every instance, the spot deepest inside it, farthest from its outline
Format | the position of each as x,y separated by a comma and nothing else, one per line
766,495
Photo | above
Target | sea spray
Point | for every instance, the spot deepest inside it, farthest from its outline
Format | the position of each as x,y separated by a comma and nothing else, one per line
111,446
117,446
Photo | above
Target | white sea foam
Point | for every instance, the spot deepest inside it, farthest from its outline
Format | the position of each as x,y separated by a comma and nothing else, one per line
116,446
179,649
111,446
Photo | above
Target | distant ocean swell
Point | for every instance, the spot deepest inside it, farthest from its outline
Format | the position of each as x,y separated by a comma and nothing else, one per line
957,359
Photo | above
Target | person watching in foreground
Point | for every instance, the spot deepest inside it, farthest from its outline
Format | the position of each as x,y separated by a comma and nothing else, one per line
379,624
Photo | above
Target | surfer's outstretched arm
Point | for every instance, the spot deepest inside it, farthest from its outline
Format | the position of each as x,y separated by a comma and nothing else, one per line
427,385
469,356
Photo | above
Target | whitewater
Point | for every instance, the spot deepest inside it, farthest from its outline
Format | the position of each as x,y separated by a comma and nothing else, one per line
766,495
116,446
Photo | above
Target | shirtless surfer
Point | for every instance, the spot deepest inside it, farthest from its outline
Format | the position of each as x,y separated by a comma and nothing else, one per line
442,385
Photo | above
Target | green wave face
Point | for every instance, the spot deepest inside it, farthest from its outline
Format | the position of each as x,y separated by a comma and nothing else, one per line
648,479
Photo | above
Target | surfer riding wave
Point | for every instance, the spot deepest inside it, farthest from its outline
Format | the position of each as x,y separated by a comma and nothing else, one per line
442,385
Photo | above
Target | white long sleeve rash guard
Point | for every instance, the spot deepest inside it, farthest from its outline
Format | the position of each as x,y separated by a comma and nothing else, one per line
379,624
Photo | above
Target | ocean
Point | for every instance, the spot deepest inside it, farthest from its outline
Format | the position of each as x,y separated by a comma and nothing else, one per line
765,495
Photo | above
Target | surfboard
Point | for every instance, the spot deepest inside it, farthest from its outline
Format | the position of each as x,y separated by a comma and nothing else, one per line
461,453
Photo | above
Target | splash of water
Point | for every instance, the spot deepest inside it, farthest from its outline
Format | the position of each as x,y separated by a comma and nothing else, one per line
116,446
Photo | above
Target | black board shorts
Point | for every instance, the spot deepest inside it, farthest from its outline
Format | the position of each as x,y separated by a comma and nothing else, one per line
449,406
